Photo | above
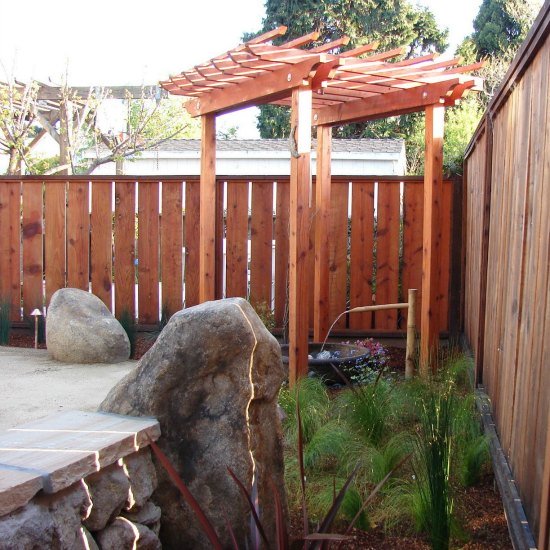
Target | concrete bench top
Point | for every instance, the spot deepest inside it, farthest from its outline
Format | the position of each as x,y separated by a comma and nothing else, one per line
52,453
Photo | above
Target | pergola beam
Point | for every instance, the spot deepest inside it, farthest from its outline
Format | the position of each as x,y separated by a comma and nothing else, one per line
269,86
384,105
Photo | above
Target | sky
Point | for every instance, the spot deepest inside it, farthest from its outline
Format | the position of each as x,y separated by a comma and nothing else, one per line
118,42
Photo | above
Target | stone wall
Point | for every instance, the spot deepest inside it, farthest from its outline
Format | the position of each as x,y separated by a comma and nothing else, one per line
79,480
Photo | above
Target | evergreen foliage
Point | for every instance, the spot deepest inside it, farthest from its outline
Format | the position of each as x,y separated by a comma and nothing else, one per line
391,22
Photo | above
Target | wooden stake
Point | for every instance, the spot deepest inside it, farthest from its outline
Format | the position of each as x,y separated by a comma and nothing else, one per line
207,221
433,191
321,319
300,185
411,334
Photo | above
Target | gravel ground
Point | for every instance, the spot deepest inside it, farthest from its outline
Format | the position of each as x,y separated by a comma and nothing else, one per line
33,386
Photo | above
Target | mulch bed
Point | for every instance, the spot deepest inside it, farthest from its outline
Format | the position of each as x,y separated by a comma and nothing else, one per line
481,518
479,507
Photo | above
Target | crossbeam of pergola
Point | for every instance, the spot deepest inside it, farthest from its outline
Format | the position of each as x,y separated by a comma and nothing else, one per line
323,89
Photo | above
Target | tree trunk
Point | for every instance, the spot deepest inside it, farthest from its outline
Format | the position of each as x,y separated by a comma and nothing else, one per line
14,165
119,166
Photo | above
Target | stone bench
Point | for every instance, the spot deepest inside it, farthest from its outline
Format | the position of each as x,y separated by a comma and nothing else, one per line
65,461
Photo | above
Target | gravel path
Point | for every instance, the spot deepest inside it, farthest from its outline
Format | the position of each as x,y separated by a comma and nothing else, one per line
33,386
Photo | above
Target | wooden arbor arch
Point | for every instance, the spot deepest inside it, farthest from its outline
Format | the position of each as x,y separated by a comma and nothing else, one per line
323,89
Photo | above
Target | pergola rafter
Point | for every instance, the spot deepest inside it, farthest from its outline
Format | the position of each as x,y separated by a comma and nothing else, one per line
323,89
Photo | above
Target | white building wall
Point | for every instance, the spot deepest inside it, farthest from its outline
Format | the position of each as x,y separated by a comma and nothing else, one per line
258,163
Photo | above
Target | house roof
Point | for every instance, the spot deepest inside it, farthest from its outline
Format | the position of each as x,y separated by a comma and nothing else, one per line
270,145
362,147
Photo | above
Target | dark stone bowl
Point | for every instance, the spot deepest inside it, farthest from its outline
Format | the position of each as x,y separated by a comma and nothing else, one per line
349,356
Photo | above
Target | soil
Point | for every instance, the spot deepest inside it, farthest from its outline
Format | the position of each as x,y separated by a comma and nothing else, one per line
479,508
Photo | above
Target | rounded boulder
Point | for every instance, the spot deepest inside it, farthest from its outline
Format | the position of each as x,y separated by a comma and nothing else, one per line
80,329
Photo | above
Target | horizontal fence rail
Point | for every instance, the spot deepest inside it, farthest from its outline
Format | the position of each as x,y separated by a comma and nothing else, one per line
133,241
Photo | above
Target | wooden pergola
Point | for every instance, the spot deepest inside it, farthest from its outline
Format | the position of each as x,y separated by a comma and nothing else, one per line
323,89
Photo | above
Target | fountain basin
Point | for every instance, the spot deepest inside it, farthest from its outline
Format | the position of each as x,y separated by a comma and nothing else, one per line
343,356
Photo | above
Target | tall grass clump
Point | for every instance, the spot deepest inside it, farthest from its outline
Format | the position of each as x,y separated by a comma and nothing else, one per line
5,325
432,465
128,323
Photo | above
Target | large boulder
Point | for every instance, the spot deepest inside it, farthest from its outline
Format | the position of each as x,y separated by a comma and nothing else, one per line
80,329
212,380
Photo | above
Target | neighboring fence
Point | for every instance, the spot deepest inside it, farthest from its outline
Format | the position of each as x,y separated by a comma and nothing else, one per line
113,235
507,276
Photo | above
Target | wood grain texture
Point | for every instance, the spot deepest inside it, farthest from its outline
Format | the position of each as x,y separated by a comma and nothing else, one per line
31,232
281,231
10,246
300,184
207,216
261,246
338,252
413,210
191,243
101,253
237,239
507,321
125,247
54,236
431,235
445,255
78,235
171,245
321,313
148,252
362,252
220,235
387,254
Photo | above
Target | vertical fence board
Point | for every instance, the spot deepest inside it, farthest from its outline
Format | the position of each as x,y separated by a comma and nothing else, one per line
445,255
78,235
192,230
338,251
148,252
509,323
310,267
362,252
261,235
237,239
32,247
171,243
220,235
101,254
125,247
10,246
387,254
413,209
281,250
54,236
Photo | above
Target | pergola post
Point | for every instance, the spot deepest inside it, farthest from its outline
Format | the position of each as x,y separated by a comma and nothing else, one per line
300,187
433,192
321,321
207,210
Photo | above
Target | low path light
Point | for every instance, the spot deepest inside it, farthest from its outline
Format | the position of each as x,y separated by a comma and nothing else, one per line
36,313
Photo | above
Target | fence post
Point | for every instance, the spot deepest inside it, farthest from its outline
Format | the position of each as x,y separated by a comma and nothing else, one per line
411,334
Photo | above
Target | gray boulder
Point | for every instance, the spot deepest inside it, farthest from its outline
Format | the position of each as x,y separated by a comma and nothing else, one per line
212,380
122,534
80,329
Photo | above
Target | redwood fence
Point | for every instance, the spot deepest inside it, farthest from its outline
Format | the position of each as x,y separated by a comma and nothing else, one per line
507,275
115,235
